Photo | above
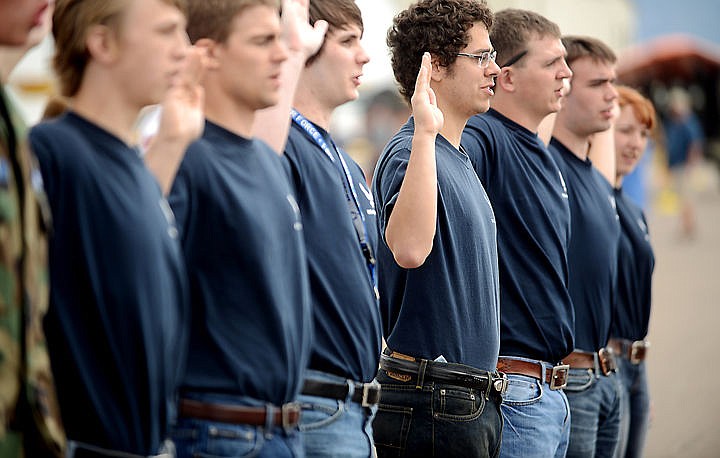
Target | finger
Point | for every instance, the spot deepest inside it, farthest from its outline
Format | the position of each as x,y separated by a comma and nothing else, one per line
423,77
194,66
321,27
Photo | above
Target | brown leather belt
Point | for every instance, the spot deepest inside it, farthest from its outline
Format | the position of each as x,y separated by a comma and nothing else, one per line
555,376
586,360
634,351
287,416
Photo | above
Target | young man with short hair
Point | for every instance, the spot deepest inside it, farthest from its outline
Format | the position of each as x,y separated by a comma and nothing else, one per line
593,389
437,262
241,234
338,216
530,200
115,325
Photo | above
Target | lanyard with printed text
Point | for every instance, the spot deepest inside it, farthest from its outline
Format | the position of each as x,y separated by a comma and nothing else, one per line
356,213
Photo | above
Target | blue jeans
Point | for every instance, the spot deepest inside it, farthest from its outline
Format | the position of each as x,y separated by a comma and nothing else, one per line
595,404
333,428
202,438
437,420
537,419
636,409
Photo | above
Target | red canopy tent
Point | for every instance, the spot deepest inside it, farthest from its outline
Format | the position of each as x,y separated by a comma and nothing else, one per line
670,58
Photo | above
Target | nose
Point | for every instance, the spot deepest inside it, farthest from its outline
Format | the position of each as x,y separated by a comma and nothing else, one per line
612,93
362,56
493,69
281,53
565,71
183,44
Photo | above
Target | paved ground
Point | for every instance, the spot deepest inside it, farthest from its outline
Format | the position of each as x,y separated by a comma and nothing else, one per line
683,364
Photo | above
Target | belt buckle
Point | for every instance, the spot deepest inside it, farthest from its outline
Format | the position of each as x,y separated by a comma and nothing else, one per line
500,383
285,411
637,351
607,360
559,373
366,393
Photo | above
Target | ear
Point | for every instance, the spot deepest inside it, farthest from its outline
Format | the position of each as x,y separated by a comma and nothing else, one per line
212,49
506,79
438,71
101,43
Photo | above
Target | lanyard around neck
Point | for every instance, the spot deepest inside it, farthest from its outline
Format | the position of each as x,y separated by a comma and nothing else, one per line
358,218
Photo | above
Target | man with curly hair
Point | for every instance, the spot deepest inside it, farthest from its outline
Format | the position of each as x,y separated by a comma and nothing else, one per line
437,262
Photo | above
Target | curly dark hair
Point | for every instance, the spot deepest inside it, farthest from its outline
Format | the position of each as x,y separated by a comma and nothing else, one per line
439,27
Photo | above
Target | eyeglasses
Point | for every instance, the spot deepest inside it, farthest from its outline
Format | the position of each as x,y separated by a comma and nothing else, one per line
514,59
483,59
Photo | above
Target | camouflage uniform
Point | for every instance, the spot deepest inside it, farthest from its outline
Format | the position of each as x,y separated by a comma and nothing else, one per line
28,406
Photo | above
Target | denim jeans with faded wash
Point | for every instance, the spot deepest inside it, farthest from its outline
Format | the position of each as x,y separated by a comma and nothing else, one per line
335,428
636,409
595,411
194,437
537,419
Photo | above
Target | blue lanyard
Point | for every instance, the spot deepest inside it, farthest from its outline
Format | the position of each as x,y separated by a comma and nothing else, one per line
353,202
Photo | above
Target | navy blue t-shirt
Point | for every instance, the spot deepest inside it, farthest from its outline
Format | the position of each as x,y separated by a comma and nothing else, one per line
530,200
593,248
449,306
635,267
346,316
242,239
115,326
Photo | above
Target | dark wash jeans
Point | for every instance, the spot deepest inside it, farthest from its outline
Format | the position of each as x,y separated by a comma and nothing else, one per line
437,421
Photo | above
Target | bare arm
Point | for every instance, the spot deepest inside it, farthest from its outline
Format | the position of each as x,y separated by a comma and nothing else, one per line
602,150
181,122
273,123
602,153
411,226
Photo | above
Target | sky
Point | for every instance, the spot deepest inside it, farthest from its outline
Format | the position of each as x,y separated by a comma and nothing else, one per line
695,17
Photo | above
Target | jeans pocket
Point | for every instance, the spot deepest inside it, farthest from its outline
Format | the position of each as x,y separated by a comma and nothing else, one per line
321,414
577,382
522,391
217,440
457,404
390,430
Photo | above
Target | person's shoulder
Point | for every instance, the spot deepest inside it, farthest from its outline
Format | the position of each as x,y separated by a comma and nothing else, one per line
57,131
60,141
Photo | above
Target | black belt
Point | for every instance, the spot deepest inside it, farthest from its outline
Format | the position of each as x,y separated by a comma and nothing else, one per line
425,370
365,394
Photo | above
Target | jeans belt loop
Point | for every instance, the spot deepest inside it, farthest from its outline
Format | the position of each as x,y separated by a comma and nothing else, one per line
421,374
269,416
350,391
596,362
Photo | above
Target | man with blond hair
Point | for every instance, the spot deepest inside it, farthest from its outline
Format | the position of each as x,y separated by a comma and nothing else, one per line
116,321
